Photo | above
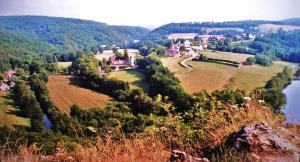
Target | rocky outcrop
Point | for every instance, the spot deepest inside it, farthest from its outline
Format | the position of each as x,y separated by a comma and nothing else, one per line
262,143
180,156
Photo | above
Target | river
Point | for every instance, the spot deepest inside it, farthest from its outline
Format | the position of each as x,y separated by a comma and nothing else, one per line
47,122
292,107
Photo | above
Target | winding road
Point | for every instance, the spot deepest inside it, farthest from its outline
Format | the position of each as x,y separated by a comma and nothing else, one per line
184,63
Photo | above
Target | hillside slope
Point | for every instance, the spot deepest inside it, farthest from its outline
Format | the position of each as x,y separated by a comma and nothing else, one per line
248,26
54,34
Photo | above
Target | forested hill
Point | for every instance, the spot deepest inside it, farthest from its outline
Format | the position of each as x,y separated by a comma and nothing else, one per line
248,26
52,34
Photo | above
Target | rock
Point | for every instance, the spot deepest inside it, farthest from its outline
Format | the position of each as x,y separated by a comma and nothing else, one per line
263,142
180,156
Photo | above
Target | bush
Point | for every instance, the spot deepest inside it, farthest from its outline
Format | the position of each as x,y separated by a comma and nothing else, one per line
250,61
263,60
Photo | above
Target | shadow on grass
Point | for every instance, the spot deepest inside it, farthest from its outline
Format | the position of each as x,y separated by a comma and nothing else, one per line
9,101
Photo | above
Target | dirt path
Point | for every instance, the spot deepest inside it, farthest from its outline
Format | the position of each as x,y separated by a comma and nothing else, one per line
184,64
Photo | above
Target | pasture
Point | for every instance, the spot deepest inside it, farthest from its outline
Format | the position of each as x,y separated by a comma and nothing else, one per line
226,55
9,113
63,65
267,28
133,77
213,76
64,92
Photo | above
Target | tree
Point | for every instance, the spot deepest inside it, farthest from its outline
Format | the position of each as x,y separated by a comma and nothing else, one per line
126,55
115,50
263,60
250,61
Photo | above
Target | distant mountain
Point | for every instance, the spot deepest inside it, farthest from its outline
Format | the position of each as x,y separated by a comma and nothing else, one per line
39,34
249,26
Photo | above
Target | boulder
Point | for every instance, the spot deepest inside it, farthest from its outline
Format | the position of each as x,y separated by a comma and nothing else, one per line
180,156
262,143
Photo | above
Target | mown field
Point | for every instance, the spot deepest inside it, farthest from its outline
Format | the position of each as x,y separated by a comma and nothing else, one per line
62,65
266,28
226,55
212,76
9,114
64,92
133,77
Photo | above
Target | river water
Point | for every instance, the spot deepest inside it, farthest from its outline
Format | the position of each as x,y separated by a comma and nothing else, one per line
292,107
47,122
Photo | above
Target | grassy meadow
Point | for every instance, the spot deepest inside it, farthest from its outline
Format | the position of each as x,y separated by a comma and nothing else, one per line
9,114
226,55
212,76
64,92
133,77
63,65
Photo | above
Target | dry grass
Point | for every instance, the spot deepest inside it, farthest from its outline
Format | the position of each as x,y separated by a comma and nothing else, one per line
64,94
138,149
266,28
9,113
212,76
252,113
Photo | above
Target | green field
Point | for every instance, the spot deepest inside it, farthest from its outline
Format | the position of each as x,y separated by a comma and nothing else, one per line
63,65
133,77
212,76
9,114
226,55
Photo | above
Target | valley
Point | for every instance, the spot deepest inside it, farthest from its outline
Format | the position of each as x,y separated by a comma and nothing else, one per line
81,90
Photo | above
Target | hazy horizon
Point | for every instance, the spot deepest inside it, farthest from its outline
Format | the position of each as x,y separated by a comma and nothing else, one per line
154,13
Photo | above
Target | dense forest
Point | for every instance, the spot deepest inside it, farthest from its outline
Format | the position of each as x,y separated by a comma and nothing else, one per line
36,34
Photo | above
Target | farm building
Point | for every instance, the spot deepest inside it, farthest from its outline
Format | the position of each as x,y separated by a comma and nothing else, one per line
187,43
191,53
4,87
8,74
173,51
120,63
7,84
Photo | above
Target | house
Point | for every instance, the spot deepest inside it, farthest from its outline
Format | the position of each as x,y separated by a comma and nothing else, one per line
187,43
8,74
100,71
4,87
197,48
205,38
121,63
191,53
136,41
173,51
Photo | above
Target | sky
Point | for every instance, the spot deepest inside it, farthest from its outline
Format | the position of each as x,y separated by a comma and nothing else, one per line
153,13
